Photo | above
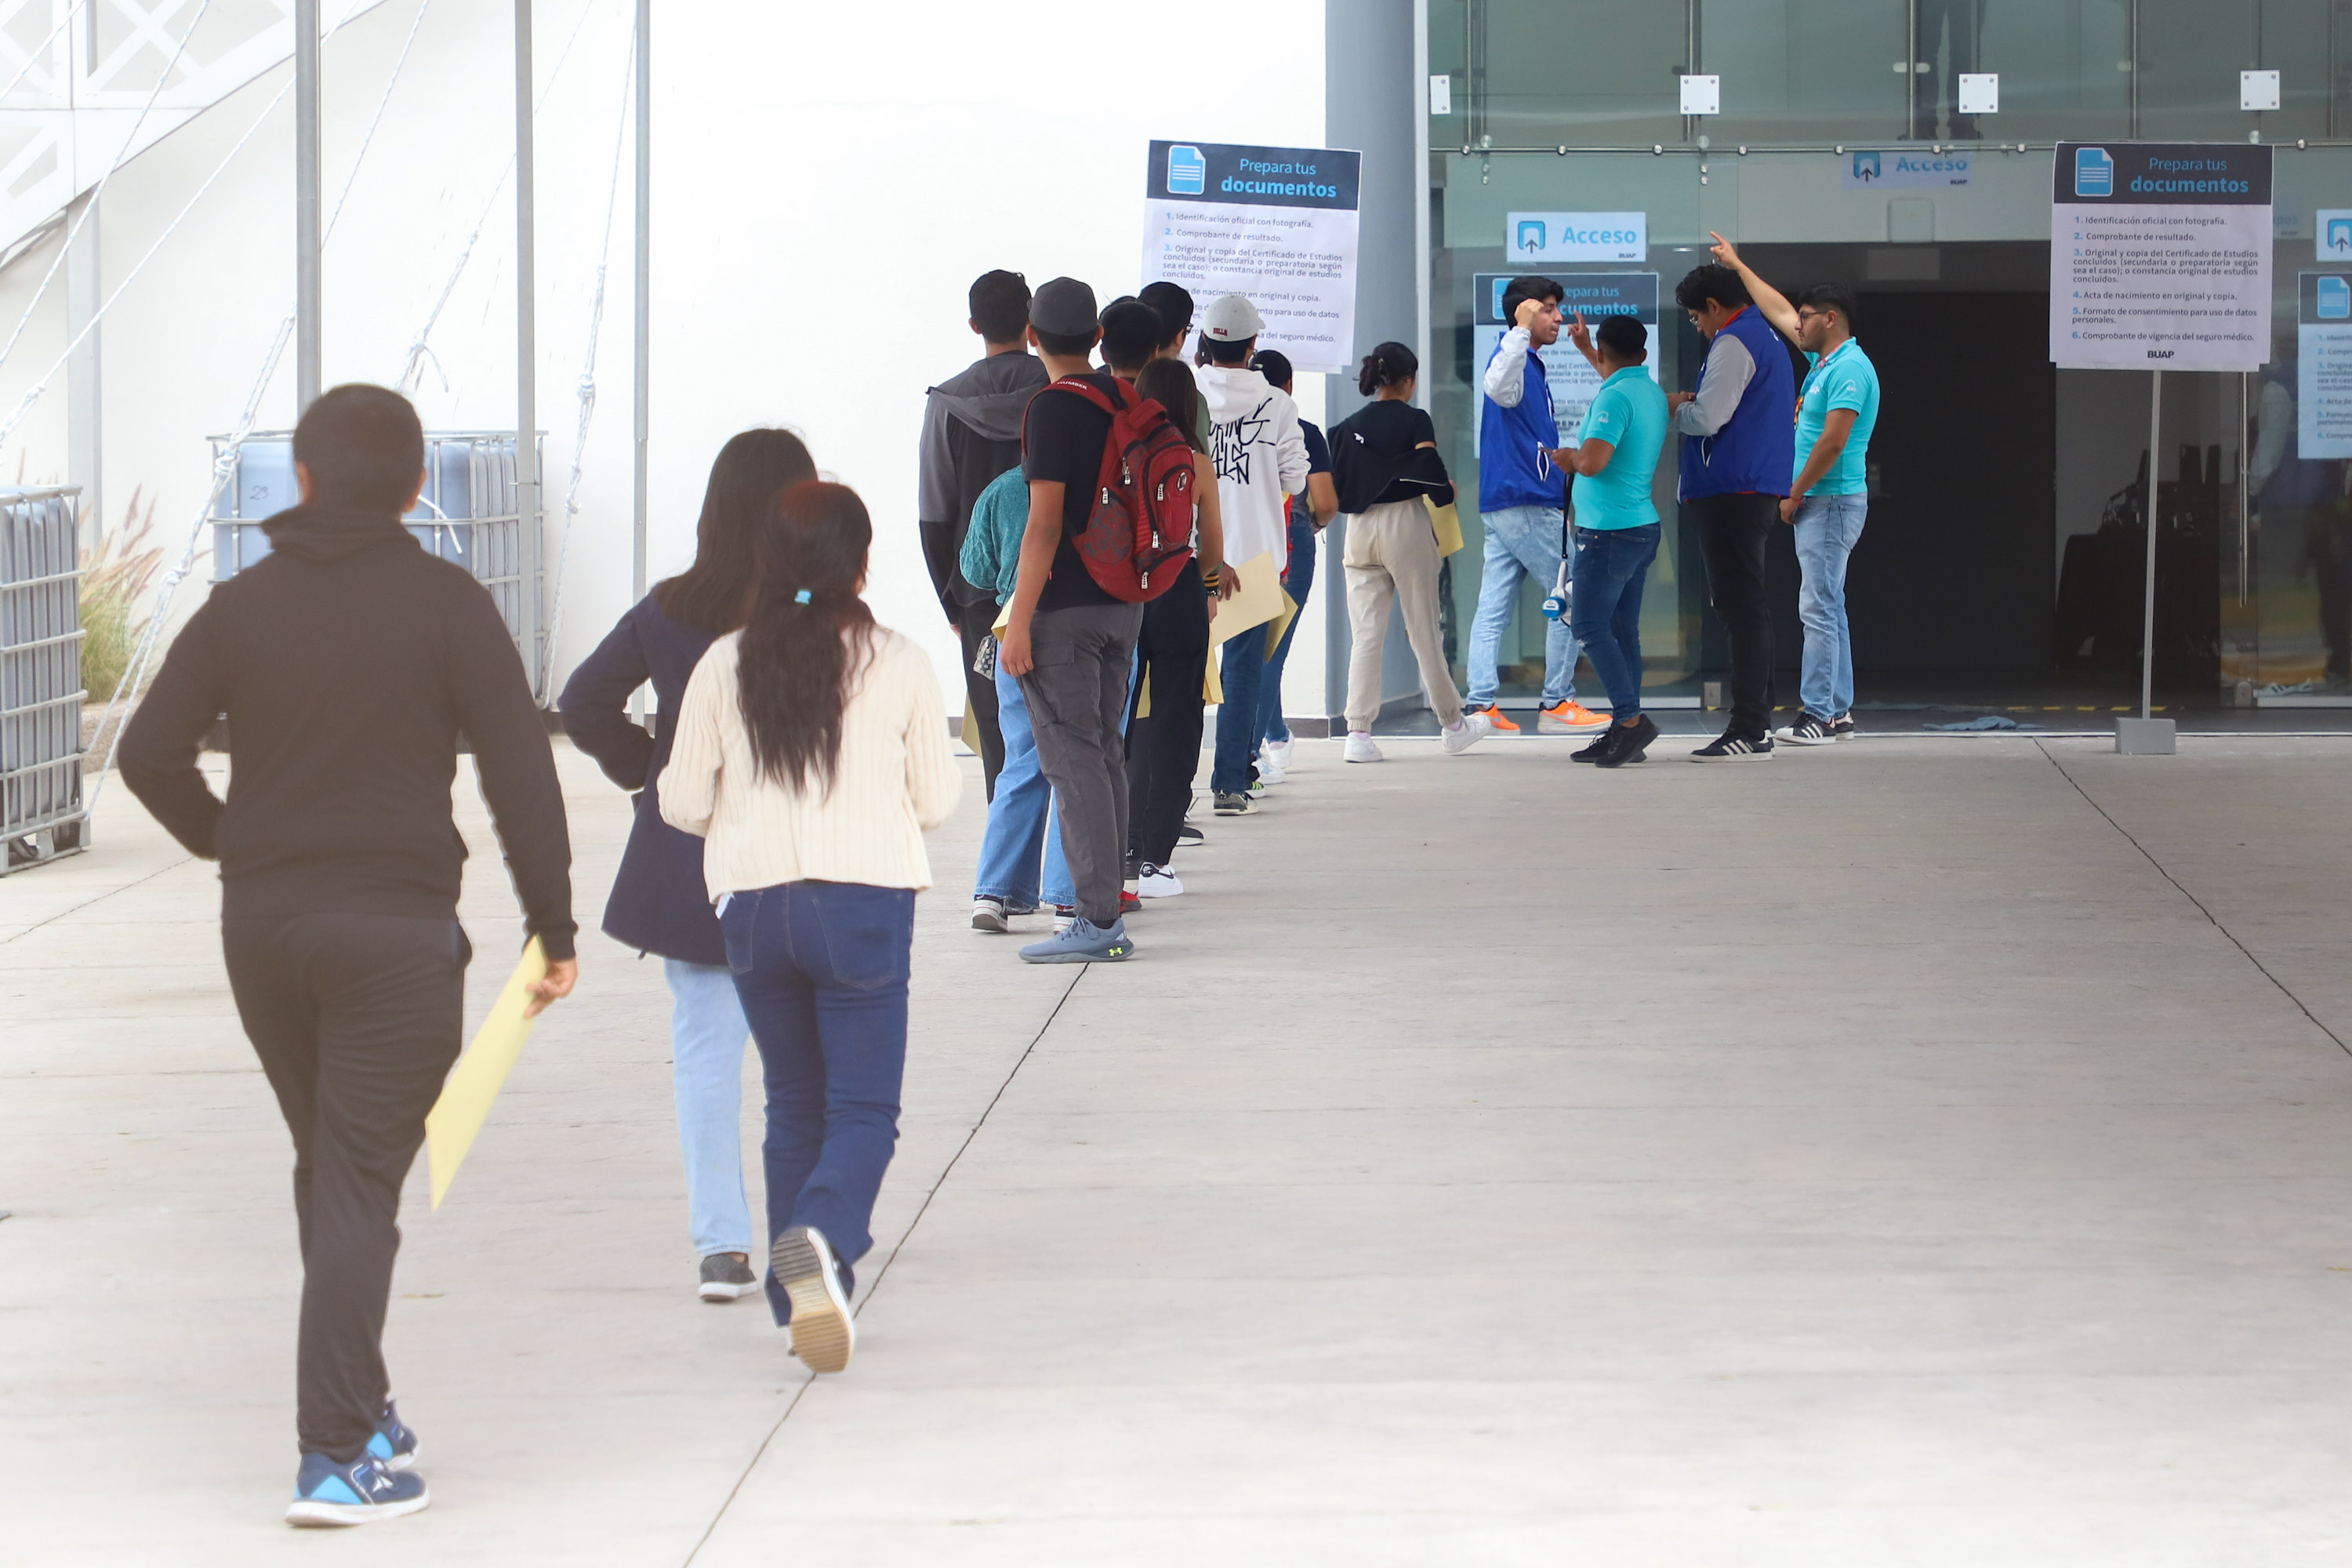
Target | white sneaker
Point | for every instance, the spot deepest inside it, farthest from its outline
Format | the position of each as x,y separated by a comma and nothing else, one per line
1465,732
1277,752
1272,768
1157,882
988,914
1360,748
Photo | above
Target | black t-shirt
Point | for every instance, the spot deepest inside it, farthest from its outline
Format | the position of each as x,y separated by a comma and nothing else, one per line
1062,438
1377,456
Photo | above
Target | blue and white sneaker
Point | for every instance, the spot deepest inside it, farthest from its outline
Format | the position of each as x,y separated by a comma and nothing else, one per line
1083,942
393,1442
362,1492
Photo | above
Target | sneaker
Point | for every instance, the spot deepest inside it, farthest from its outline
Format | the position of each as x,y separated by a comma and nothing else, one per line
1277,754
1730,748
1127,902
1064,914
1157,882
394,1443
1134,865
1360,748
1465,732
728,1277
1808,731
1842,727
1190,835
824,1333
1235,806
988,914
1496,719
1628,742
367,1489
1569,718
1083,942
1598,750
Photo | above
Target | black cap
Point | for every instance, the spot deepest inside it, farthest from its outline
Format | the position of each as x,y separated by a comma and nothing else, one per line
1065,307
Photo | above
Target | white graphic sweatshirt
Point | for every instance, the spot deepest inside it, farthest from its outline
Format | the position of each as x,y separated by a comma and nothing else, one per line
1261,457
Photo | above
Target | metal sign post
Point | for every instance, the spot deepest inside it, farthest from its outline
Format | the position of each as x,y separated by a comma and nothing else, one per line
526,478
306,206
2148,735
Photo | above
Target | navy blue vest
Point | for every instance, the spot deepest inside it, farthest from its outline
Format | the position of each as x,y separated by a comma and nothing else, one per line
1753,451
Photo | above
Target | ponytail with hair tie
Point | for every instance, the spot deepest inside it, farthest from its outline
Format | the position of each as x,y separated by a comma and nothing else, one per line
1386,366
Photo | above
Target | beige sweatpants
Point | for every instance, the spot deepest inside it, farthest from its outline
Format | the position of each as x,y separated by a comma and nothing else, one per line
1392,554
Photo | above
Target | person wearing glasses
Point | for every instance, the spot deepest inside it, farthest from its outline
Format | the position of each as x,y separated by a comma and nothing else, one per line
1836,410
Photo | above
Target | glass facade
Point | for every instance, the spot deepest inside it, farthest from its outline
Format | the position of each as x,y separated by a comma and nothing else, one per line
2001,563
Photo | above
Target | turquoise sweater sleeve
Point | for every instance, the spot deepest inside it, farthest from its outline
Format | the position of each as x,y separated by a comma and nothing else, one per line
991,547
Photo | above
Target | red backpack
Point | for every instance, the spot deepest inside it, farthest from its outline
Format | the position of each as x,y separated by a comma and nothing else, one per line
1139,532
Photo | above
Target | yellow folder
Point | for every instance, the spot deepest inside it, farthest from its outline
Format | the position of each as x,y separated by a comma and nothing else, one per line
1257,600
475,1081
1448,524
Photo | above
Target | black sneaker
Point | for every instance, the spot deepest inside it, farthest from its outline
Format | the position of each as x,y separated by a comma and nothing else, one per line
1809,729
727,1277
1730,748
1598,750
1842,727
1188,834
1235,806
1134,866
1628,742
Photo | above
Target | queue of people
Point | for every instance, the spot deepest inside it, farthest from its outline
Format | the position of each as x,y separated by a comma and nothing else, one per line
1083,526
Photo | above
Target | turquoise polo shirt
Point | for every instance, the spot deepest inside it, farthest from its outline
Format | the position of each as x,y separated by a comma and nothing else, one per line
1629,413
1846,379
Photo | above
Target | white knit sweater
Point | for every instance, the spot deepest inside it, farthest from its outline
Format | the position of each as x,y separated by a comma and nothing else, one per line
894,781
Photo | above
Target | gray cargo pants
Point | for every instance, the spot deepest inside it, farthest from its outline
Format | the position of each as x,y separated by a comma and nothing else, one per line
1077,697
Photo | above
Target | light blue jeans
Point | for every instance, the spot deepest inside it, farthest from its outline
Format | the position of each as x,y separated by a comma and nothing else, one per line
1522,541
1021,822
708,1036
1827,528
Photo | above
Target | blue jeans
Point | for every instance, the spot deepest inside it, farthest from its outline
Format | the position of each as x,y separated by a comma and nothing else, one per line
1300,582
1613,565
1243,672
821,970
1827,529
1021,819
706,1035
1522,541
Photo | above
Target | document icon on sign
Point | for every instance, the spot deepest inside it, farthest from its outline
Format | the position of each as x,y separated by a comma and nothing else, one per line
2335,298
1188,172
2095,172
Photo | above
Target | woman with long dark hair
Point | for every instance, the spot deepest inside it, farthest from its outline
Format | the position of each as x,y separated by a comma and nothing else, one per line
1384,457
812,757
657,904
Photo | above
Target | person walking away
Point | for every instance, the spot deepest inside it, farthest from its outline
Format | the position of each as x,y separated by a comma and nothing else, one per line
1735,469
1522,505
1837,409
1261,457
1069,643
349,662
1615,461
1384,456
1167,713
811,759
657,904
972,433
1023,825
1304,522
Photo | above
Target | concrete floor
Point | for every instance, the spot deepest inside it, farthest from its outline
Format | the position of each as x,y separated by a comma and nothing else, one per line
1922,1152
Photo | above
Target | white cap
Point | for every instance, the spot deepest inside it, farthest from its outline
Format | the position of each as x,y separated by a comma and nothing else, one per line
1231,320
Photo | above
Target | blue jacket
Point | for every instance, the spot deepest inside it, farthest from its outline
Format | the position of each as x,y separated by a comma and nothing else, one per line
1752,451
659,902
1514,466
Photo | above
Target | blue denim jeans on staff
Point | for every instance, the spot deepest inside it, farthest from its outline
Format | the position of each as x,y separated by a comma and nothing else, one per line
1297,581
1613,565
1522,541
821,970
1021,820
1827,530
707,1037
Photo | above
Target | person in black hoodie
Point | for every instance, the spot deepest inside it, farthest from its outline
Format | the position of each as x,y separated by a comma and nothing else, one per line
659,903
348,664
972,433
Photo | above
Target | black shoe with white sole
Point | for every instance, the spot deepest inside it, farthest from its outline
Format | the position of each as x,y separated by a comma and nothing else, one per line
727,1277
1809,729
1628,742
1842,727
1188,834
1731,748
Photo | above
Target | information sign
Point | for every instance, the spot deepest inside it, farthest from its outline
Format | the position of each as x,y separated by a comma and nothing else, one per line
2160,256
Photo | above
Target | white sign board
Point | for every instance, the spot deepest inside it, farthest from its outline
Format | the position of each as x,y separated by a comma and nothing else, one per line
1532,238
2160,256
1870,169
1277,224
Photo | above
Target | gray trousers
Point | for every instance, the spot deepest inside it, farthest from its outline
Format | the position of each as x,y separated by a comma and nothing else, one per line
1078,698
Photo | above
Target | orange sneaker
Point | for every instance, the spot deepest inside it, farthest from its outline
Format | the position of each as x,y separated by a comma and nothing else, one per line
1497,720
1571,718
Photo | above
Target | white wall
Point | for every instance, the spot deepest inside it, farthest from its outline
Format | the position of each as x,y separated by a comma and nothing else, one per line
827,182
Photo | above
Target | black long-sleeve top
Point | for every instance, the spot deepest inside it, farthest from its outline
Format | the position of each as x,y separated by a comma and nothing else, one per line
1377,456
349,662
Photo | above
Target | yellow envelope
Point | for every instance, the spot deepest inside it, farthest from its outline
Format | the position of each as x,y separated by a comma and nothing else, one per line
1258,600
475,1081
971,731
1448,524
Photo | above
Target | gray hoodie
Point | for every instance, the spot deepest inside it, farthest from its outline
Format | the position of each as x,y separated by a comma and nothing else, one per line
972,433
